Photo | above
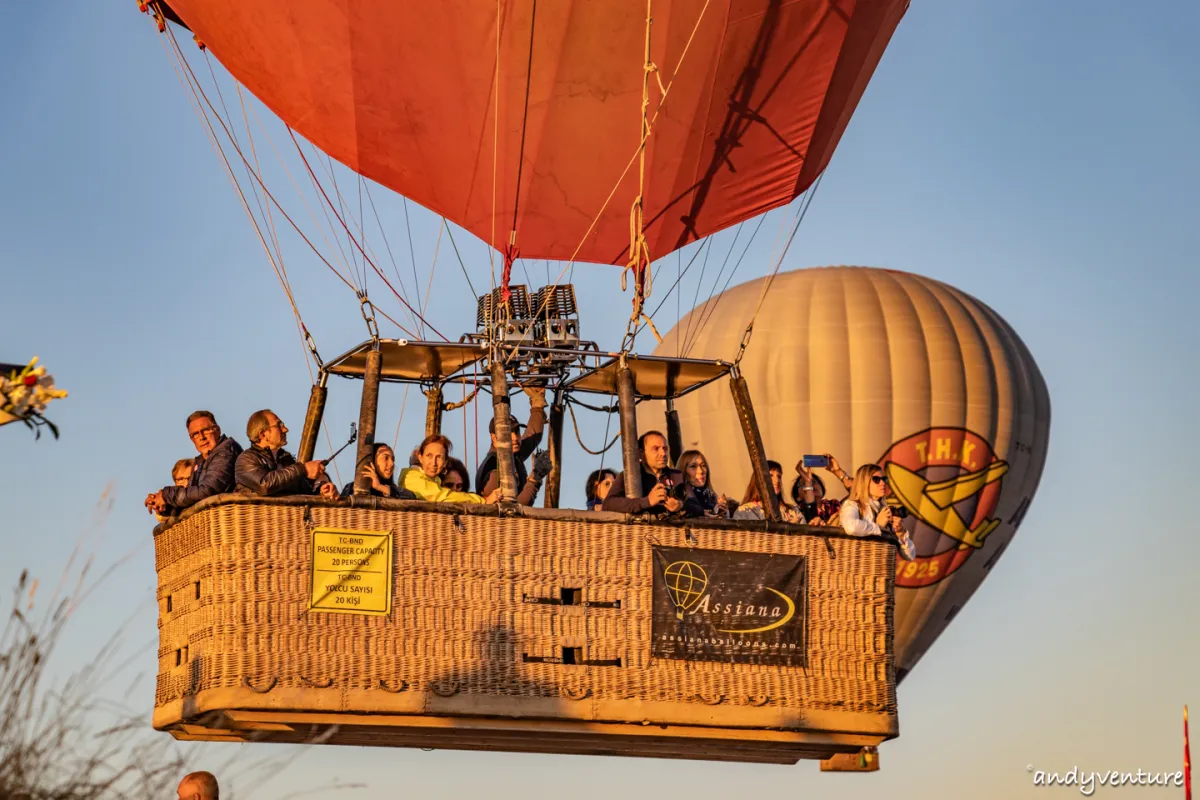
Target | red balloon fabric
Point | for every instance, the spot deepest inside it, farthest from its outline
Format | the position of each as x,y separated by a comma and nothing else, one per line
405,94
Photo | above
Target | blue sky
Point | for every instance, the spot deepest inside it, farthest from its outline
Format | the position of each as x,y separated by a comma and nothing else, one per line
1039,156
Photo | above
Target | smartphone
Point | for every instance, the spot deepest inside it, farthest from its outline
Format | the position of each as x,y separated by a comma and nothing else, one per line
816,461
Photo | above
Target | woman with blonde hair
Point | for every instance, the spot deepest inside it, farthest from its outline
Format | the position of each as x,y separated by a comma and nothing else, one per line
864,512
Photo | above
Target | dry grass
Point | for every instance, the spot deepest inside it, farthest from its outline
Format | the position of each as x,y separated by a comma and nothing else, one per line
68,739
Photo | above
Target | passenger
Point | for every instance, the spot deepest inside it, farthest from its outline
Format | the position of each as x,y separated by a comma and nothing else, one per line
198,786
699,499
662,486
865,514
380,470
212,471
455,476
425,481
181,473
751,506
598,485
808,490
267,470
487,477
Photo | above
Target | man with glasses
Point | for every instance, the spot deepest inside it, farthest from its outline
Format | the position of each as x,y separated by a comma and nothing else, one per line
212,472
267,470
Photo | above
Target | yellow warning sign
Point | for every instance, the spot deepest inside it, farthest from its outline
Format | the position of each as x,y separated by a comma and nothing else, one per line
351,571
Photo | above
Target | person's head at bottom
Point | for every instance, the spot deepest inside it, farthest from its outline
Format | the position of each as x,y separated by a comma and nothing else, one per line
199,786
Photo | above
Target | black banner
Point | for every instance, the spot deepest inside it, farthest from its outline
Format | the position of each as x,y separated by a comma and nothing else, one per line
719,605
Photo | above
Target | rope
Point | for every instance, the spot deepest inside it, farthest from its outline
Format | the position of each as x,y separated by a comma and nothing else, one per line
413,258
259,180
459,404
433,267
578,438
639,249
495,146
706,313
703,270
367,258
771,278
524,116
570,265
403,403
450,233
197,92
303,198
382,233
613,409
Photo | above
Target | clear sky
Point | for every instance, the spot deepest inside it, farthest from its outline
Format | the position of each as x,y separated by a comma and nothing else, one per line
1041,156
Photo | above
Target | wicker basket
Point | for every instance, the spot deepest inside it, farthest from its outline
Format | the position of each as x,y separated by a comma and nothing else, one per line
470,654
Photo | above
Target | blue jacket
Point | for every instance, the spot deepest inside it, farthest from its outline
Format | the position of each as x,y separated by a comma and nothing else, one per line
212,475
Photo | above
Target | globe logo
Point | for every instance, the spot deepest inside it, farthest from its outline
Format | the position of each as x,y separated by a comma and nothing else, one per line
685,582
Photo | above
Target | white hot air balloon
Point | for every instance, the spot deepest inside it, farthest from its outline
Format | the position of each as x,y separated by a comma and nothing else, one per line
879,366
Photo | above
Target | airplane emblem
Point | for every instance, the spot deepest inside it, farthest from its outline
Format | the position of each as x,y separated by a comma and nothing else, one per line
933,502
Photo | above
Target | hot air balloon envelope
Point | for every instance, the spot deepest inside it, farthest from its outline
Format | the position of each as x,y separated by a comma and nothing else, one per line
405,93
876,366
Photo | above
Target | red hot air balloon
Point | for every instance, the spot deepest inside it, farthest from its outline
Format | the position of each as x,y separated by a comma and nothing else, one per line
758,94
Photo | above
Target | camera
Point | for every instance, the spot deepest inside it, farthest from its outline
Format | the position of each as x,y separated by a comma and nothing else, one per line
827,509
676,490
899,512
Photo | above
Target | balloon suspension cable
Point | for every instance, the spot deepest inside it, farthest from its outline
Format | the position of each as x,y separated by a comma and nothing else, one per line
191,84
762,296
188,79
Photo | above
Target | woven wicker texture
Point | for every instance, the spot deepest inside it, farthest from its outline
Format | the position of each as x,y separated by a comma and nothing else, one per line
234,582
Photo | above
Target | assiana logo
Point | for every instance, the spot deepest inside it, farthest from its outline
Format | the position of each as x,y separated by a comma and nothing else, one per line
949,479
687,583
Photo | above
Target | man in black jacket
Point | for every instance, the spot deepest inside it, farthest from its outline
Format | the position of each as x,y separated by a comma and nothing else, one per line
660,484
487,477
266,469
213,470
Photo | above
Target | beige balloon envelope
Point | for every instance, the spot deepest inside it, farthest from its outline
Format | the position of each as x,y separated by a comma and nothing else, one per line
879,366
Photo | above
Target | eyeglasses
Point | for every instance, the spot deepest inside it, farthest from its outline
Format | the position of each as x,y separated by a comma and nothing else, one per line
879,479
211,429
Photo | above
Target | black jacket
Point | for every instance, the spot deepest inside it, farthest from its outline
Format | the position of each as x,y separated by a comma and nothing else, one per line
617,501
699,501
271,473
487,477
397,492
212,475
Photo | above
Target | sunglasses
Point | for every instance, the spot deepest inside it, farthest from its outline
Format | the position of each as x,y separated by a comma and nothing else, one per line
879,479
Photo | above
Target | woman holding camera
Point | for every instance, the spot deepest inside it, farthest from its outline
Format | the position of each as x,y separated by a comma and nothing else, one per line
866,514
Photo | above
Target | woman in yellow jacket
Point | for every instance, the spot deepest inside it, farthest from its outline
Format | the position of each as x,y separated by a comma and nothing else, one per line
425,481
